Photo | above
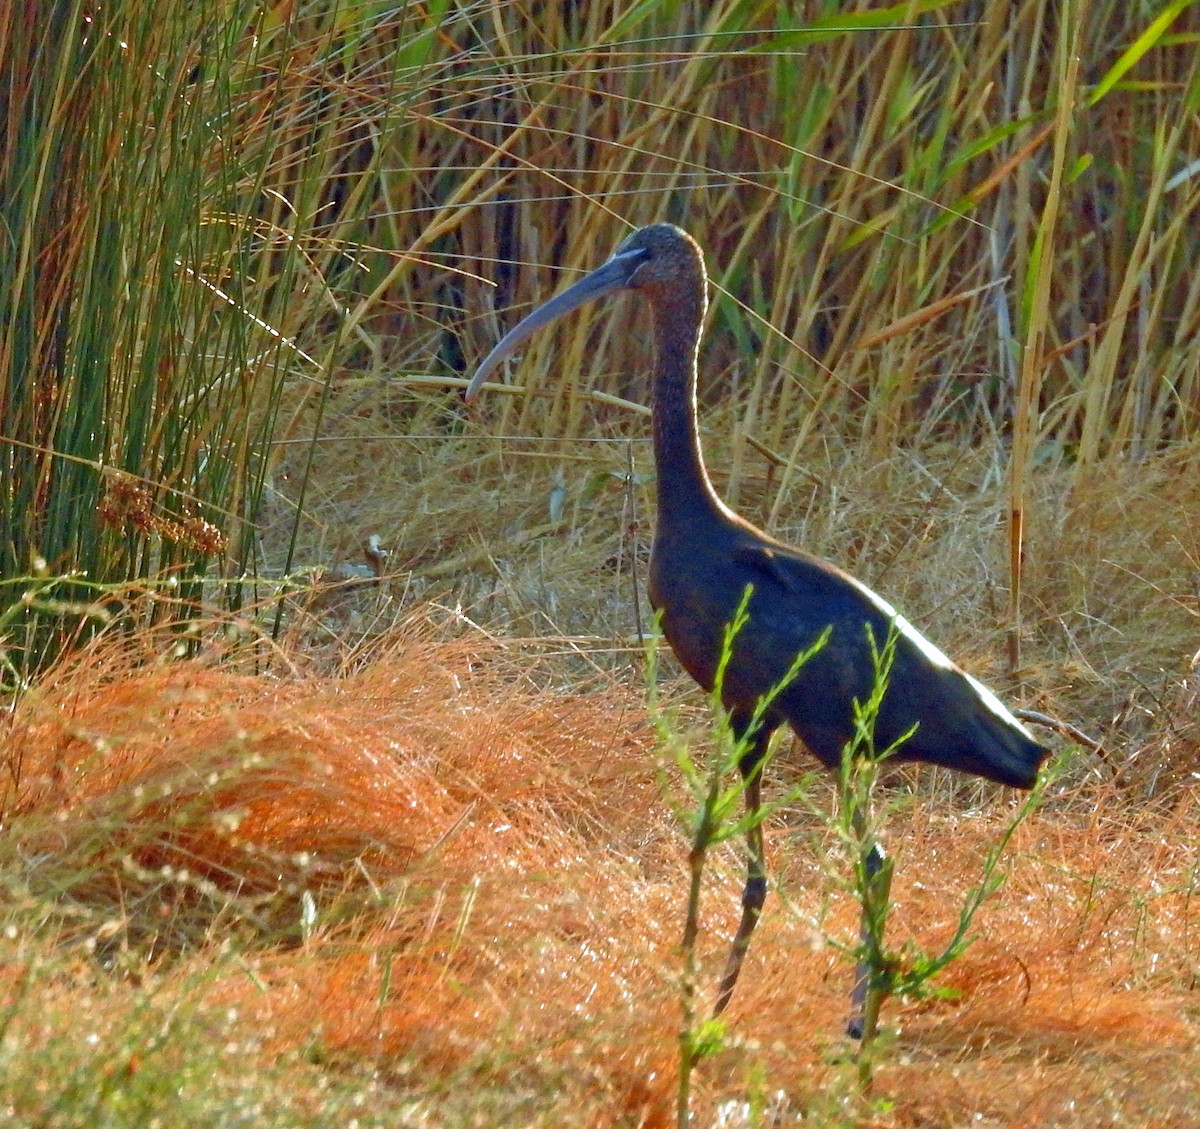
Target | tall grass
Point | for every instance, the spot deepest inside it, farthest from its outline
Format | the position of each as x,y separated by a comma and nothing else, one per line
127,380
245,207
843,181
184,216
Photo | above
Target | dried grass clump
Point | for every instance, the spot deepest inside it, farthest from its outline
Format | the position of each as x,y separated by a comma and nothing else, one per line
431,865
443,824
256,781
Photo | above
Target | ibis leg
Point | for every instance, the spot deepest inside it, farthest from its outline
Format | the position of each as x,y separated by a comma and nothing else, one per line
864,1005
755,892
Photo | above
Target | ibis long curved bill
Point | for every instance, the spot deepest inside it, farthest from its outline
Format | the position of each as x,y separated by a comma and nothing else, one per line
616,274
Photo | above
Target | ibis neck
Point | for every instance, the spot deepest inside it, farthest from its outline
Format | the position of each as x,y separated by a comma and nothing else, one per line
685,494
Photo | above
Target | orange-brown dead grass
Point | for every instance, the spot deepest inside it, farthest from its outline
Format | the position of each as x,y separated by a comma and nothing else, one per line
499,883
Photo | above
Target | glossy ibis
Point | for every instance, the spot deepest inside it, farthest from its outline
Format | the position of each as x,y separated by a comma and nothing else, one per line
704,557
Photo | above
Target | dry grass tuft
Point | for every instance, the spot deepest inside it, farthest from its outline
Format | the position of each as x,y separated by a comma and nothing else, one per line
431,865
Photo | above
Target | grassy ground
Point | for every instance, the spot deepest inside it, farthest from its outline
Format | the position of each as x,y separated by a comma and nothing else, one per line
418,863
415,859
434,876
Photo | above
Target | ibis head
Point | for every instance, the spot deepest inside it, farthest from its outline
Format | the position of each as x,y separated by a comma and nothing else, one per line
658,258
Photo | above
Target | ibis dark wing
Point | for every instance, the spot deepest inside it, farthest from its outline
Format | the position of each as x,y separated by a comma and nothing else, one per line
955,721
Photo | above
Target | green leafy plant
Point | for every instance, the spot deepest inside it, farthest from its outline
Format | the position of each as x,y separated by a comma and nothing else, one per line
882,971
716,793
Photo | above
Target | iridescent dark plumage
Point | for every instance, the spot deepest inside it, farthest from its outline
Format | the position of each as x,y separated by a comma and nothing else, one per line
704,556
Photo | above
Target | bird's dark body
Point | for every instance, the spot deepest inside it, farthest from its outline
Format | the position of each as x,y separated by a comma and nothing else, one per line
795,598
705,556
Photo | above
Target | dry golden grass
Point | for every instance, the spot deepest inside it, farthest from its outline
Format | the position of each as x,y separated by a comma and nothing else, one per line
1111,592
496,882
